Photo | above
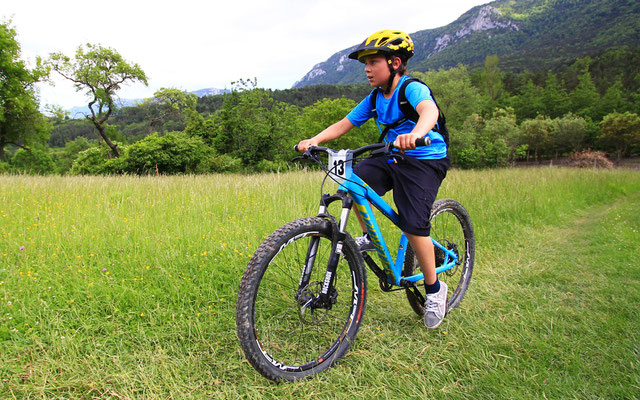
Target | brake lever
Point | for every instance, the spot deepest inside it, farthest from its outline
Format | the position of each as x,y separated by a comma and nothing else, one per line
298,158
383,151
307,156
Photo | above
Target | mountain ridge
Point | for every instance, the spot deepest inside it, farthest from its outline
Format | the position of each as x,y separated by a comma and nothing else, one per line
525,34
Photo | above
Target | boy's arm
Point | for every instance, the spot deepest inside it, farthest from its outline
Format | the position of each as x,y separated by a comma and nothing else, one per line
428,113
332,132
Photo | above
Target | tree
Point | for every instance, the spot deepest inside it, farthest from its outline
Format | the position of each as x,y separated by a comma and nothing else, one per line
536,134
529,103
100,72
21,123
486,143
568,134
64,158
621,131
168,102
314,119
205,128
251,125
455,94
612,101
585,97
555,98
34,160
491,80
499,140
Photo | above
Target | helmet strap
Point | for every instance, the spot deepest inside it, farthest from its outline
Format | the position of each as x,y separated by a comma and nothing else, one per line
392,75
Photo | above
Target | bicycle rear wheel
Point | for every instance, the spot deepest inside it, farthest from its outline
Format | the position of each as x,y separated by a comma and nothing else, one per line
281,335
451,227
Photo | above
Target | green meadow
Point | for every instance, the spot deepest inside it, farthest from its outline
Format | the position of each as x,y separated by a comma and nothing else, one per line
125,287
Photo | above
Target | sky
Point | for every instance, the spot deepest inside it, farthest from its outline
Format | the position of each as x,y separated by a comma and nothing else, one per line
193,45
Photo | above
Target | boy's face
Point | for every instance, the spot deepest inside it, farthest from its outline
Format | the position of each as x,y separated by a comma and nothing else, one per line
377,69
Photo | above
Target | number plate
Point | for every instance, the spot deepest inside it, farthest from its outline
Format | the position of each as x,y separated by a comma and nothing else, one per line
340,166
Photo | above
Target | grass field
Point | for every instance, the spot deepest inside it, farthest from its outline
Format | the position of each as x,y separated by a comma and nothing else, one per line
124,287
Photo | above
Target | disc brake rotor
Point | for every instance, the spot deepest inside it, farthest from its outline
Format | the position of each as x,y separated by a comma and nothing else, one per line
308,314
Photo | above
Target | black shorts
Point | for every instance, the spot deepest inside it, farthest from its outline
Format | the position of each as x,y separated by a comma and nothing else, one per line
415,184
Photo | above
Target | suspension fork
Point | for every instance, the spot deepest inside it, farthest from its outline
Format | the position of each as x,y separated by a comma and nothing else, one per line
327,296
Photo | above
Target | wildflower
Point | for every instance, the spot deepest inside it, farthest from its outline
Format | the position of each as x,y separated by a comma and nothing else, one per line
104,270
21,248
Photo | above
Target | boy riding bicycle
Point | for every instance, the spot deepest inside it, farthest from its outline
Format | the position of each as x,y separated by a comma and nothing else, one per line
416,173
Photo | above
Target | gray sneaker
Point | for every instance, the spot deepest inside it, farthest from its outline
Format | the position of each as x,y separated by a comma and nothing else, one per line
435,308
364,244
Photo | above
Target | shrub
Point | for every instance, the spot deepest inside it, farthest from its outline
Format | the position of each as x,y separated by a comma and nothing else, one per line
116,166
272,166
224,163
90,161
34,160
64,158
589,159
170,154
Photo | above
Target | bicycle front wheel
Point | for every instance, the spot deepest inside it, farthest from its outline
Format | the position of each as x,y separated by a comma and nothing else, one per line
451,227
282,336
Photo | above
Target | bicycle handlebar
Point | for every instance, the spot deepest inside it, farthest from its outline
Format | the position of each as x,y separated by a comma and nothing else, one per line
420,142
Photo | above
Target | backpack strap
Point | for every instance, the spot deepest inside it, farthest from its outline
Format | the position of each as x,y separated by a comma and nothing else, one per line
411,113
387,127
383,132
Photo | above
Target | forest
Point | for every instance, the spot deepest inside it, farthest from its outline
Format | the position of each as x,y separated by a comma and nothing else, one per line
587,108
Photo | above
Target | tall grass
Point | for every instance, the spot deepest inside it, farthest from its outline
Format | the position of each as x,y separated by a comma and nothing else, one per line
125,287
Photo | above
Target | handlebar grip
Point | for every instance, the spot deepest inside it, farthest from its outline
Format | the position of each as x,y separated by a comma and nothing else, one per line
423,141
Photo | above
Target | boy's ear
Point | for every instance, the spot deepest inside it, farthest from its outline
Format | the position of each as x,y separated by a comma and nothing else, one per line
397,62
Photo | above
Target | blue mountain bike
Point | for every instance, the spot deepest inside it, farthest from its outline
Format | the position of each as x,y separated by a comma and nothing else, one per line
302,297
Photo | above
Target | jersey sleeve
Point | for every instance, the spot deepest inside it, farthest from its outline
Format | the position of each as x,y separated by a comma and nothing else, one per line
417,92
361,113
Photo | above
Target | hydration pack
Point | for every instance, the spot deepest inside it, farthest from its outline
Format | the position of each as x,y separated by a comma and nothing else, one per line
410,113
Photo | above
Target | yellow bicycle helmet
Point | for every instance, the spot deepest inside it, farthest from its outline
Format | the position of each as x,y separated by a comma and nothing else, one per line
387,41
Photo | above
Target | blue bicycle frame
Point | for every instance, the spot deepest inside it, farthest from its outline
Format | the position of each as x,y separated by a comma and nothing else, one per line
340,170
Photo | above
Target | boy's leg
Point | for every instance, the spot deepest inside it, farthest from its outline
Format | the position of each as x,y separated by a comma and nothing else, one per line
436,304
364,242
376,173
423,247
360,220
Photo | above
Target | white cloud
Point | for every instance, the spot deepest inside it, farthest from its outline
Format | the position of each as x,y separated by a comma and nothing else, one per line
193,44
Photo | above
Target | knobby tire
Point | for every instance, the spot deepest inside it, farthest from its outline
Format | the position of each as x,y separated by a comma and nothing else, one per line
452,227
281,338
